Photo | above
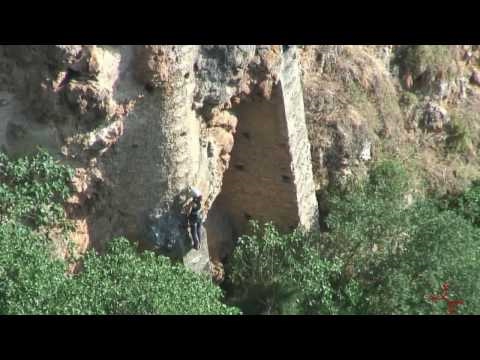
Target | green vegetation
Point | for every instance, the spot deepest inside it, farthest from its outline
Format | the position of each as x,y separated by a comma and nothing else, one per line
364,103
124,282
458,137
408,99
466,204
273,273
120,282
462,132
379,256
34,281
32,191
426,60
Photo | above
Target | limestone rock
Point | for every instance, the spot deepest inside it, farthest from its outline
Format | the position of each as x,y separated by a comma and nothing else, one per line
435,117
64,55
90,102
225,120
154,64
198,260
220,70
259,128
366,152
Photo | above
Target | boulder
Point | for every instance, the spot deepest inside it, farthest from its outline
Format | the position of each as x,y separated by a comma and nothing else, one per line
435,117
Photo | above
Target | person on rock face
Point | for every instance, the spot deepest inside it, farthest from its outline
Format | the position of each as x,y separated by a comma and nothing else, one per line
195,218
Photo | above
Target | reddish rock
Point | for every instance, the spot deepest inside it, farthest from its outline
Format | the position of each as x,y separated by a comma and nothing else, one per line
408,81
225,120
235,100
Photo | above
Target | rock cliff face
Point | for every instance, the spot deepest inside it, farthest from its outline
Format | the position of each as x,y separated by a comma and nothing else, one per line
141,124
260,129
418,103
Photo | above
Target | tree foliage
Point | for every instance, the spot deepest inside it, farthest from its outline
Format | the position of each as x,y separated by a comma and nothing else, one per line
33,189
124,282
379,255
275,273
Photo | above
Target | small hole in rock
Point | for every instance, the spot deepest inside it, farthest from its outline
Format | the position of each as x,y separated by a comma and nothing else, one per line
210,152
187,75
149,87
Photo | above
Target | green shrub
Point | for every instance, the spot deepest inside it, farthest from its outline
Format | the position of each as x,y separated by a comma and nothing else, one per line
388,179
274,273
408,99
124,282
366,229
30,278
426,59
398,255
120,282
458,137
378,256
466,204
442,247
33,189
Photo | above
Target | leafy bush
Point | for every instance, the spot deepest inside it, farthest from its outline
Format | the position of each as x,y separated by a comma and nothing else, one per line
274,273
124,282
408,99
442,247
379,256
366,229
33,189
398,254
466,204
30,278
120,282
458,137
388,179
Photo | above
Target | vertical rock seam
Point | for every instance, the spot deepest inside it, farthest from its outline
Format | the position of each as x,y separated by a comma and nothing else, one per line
299,145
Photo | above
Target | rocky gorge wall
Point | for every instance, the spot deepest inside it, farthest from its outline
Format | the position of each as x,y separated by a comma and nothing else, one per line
262,130
141,124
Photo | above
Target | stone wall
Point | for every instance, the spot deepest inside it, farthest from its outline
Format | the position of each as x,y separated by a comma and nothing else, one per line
270,173
259,181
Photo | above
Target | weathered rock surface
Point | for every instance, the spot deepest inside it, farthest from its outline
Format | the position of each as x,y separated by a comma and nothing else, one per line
258,128
435,117
141,124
